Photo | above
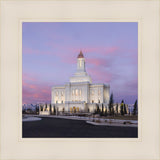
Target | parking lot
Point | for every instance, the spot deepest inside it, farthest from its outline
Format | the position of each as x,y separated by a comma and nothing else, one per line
66,128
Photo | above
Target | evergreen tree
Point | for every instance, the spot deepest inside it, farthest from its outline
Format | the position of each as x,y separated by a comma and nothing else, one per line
113,110
125,110
105,112
46,107
102,110
54,109
111,101
98,110
40,108
37,109
122,104
23,111
50,108
135,108
117,108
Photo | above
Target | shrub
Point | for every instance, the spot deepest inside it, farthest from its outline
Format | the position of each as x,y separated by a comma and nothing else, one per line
98,121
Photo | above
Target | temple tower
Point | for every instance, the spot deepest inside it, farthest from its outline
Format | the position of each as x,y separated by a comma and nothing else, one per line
81,74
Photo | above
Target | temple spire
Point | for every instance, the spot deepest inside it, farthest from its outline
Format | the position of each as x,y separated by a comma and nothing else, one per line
80,55
81,74
81,63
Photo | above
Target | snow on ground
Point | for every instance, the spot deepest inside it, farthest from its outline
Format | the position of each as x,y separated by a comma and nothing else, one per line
101,121
111,124
31,119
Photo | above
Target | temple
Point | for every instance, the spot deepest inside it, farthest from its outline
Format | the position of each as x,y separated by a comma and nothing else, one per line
80,94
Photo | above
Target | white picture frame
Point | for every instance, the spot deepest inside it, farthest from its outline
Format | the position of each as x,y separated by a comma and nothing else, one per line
14,13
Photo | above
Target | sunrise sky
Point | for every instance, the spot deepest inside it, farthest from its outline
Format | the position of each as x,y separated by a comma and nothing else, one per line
50,55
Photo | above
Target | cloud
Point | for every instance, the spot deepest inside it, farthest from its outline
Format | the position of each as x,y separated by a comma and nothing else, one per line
126,90
72,53
99,50
96,61
28,77
34,91
69,51
132,85
99,75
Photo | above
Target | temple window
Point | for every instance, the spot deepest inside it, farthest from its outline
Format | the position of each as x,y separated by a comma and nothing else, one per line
76,92
80,92
56,93
80,63
99,91
73,92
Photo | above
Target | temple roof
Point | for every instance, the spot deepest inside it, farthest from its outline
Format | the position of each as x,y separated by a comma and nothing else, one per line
80,55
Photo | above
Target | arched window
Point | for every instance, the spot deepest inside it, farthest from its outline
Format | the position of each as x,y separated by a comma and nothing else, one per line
80,92
92,101
80,63
73,92
56,93
99,91
62,93
76,92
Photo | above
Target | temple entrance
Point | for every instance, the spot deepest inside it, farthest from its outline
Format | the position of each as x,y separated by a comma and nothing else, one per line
77,109
70,110
74,109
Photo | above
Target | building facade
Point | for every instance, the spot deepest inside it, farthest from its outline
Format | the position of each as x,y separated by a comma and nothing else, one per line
80,94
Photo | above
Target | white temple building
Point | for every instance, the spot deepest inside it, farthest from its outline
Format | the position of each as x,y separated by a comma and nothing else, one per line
80,94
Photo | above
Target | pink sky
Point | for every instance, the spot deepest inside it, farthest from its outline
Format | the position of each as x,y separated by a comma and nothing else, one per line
50,55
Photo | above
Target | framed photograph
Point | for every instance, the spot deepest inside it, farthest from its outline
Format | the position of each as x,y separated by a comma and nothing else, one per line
99,104
80,79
